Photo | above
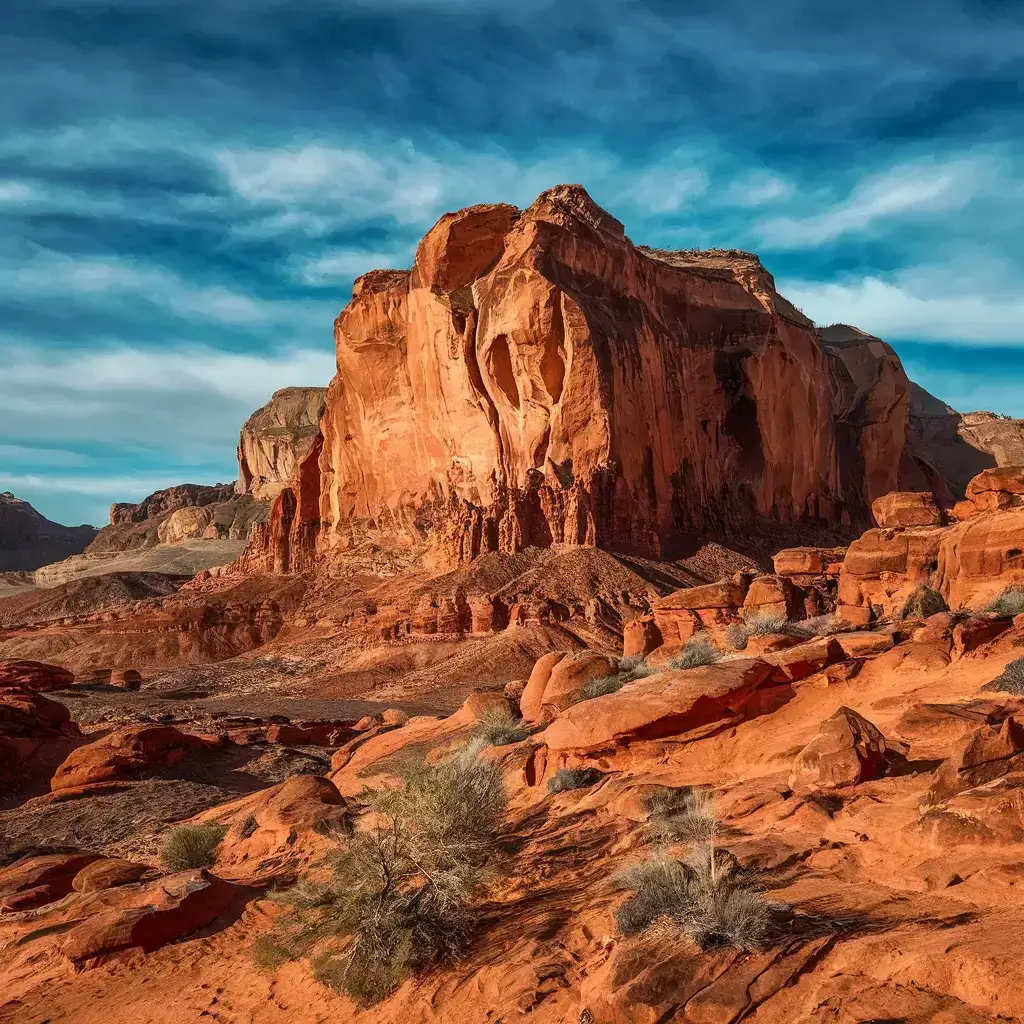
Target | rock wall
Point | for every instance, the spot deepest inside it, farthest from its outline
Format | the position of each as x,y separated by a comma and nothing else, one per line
170,499
537,379
275,440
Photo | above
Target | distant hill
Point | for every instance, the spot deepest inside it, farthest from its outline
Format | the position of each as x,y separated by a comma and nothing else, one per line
28,539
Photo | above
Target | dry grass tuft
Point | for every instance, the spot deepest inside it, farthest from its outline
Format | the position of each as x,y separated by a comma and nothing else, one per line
191,846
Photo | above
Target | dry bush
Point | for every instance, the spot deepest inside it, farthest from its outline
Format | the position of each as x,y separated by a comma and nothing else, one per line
706,895
191,846
401,897
566,779
1011,680
1008,604
819,625
697,651
922,603
766,623
499,727
736,636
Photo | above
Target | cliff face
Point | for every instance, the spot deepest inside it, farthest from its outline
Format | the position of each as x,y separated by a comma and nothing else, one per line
537,379
275,440
29,540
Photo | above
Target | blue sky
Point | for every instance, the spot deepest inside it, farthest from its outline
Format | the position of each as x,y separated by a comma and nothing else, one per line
187,189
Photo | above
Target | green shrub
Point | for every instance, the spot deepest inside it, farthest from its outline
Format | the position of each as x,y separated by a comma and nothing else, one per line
1008,604
633,667
697,651
1012,678
402,897
566,779
499,727
922,603
191,846
600,687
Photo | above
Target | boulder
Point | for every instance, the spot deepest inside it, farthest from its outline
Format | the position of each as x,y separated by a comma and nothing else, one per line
803,660
807,561
672,703
987,753
124,754
108,872
847,750
906,508
33,675
975,632
128,678
533,694
34,881
641,636
570,675
147,916
863,645
480,705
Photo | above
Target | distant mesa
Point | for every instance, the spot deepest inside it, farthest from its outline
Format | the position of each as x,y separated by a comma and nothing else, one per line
29,540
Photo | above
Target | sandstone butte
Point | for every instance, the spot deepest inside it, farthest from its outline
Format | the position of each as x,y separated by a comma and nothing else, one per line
539,474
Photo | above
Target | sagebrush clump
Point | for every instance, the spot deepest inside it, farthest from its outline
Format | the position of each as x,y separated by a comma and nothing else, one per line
633,667
401,897
1011,680
1008,604
922,603
697,651
499,727
705,895
566,779
191,846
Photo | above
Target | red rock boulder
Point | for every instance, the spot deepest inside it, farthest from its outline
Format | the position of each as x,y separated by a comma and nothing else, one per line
124,754
847,750
906,508
33,676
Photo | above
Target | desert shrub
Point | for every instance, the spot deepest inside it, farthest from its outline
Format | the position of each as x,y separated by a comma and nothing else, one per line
1012,678
922,603
1009,603
698,650
765,623
600,687
683,815
499,727
401,897
566,779
248,827
191,846
819,625
633,667
736,636
705,895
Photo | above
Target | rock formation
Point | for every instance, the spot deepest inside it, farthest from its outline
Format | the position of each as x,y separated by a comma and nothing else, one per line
536,379
276,439
29,540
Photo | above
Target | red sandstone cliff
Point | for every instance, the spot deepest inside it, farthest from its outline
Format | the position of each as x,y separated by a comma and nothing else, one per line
537,379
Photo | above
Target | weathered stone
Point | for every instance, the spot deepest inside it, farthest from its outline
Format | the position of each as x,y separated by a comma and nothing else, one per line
847,750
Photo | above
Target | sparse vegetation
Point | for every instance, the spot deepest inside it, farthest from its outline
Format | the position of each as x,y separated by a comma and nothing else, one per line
401,897
697,651
499,727
566,779
248,827
1009,603
705,895
766,623
819,625
922,603
191,846
1011,680
633,667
